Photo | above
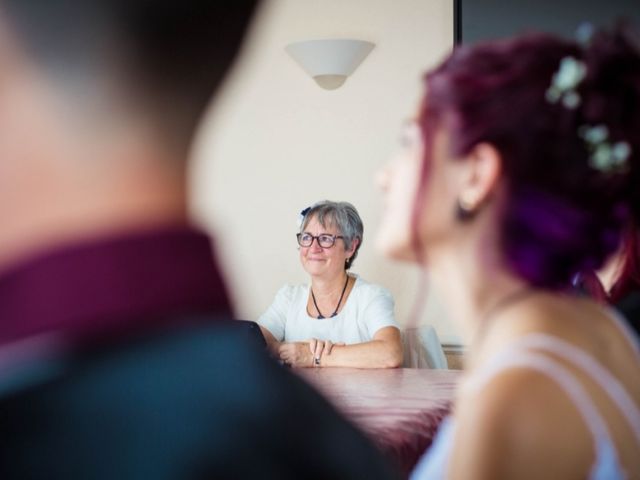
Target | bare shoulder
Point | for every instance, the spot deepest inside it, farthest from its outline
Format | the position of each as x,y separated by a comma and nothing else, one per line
520,424
580,322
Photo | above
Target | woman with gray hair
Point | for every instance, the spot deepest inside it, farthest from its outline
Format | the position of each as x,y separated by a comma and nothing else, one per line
339,320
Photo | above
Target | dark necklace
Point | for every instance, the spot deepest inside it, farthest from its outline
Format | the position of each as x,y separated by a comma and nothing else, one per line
335,312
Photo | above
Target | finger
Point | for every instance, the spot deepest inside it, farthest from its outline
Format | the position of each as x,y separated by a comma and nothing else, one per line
284,347
328,347
319,349
338,344
286,350
315,357
312,345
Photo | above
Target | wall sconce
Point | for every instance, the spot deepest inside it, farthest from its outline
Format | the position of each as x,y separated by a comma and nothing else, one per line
329,62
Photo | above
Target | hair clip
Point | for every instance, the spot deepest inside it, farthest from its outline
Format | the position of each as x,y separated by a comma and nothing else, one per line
604,156
301,216
564,82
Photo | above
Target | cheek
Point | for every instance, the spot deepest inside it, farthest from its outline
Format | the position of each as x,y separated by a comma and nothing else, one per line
338,255
394,234
438,220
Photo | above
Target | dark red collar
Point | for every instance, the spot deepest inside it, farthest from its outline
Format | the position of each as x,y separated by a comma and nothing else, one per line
123,283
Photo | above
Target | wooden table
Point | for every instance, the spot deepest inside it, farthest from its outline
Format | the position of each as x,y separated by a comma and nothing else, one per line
399,409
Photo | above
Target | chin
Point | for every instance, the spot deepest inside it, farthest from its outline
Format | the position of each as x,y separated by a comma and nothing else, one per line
394,247
313,269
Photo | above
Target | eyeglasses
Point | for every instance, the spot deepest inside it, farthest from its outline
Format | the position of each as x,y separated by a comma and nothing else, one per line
325,240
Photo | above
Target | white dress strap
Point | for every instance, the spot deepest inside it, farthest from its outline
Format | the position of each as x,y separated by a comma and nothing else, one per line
509,359
600,375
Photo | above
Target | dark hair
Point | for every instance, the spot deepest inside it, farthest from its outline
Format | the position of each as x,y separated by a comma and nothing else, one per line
629,277
561,215
169,56
627,272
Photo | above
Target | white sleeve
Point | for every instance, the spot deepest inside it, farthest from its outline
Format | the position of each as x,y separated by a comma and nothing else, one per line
275,318
378,313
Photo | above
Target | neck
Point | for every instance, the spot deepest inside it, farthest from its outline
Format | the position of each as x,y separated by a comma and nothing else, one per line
326,287
460,274
80,202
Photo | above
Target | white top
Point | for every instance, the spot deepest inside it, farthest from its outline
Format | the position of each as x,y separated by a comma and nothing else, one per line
367,309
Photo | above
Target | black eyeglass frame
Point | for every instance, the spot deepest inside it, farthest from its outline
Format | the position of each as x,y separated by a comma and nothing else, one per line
317,239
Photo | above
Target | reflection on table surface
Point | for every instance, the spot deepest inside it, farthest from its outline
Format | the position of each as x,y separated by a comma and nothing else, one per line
399,409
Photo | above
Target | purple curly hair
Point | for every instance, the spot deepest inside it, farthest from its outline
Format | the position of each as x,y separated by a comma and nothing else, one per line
561,216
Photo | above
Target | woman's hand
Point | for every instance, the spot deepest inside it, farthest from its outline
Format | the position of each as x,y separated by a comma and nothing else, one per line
305,354
384,351
319,348
296,354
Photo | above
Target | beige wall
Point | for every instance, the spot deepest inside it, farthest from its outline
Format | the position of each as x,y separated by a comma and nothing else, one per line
275,142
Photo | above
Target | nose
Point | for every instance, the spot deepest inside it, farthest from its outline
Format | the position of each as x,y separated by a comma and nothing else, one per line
381,178
315,245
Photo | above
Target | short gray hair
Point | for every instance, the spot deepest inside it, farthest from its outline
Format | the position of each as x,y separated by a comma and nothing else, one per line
344,217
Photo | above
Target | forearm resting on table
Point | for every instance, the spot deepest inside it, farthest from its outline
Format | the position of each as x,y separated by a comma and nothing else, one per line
383,352
272,343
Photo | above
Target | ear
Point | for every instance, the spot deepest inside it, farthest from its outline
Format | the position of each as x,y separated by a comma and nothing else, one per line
482,174
354,246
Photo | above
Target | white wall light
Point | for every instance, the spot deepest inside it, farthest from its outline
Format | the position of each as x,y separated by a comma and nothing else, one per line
329,62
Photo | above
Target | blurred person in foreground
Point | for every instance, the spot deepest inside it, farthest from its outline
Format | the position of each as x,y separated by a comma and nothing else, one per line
116,361
339,319
521,168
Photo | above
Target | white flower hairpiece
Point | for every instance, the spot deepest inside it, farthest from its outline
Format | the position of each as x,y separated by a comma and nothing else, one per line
604,156
564,83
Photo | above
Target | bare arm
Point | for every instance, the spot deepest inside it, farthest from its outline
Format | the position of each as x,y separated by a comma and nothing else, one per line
384,351
272,343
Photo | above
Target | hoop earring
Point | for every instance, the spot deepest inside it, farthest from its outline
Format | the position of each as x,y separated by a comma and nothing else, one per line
465,211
